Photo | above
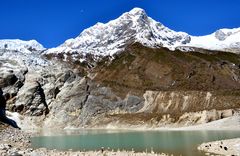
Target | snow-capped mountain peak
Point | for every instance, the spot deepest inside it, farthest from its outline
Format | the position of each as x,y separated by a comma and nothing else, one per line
108,39
137,11
20,45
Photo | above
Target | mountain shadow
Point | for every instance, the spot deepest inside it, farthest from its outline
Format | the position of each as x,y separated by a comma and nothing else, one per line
3,117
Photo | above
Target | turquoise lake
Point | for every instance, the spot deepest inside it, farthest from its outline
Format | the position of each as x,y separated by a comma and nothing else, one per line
170,142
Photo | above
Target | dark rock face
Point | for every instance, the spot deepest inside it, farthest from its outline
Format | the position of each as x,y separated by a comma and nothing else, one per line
102,101
220,35
67,76
8,79
2,101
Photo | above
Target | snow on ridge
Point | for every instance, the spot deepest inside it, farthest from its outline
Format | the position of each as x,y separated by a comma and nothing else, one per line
222,39
25,52
20,45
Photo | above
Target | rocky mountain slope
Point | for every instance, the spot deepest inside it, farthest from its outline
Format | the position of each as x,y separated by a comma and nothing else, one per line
152,88
130,72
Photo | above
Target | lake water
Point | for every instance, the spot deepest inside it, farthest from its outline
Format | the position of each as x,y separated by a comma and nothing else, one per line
171,142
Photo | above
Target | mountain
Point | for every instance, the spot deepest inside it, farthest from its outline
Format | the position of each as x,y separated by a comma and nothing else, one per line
223,40
113,37
149,82
20,45
110,38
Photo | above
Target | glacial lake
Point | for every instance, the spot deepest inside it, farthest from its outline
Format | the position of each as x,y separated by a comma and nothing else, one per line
171,142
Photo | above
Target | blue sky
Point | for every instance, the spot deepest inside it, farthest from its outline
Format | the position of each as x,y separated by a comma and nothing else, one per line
51,22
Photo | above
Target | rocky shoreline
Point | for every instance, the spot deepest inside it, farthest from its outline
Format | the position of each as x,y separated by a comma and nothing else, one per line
17,143
222,147
14,142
